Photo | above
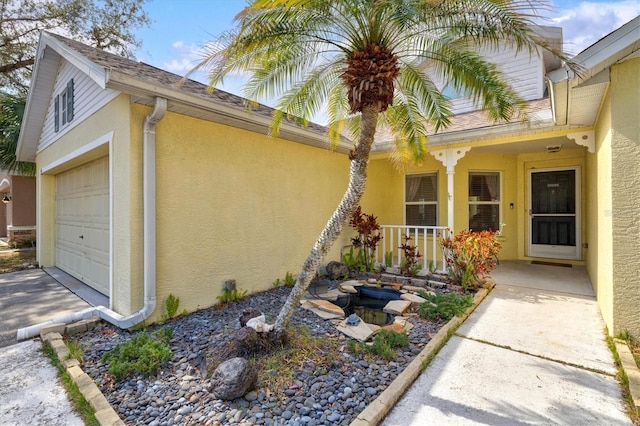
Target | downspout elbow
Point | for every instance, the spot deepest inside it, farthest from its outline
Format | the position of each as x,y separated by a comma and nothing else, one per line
559,84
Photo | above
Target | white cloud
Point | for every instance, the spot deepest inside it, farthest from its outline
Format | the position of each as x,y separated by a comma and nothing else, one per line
588,22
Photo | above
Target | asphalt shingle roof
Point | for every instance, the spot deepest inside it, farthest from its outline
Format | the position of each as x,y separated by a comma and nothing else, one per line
145,72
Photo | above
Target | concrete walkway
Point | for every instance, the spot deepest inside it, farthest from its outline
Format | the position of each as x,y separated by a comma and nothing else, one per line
532,353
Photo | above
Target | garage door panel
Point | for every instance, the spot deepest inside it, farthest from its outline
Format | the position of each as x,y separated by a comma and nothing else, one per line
82,223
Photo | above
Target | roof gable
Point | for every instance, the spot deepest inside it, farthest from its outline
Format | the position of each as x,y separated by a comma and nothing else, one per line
144,83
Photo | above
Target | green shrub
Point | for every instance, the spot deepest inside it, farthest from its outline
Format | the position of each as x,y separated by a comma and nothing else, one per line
289,281
446,306
171,304
383,344
388,259
231,295
144,354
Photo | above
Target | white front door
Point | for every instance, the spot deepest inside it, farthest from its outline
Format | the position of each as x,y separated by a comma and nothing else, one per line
82,223
554,213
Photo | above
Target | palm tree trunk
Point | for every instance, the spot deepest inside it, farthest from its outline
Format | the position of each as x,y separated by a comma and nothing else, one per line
331,231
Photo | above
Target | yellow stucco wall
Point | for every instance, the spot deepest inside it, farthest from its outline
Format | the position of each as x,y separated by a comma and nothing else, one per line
233,204
613,205
599,224
625,195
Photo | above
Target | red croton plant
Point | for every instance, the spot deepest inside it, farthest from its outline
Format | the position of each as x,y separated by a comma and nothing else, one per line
471,255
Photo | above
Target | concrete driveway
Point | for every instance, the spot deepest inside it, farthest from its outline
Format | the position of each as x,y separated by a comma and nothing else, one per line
534,352
31,297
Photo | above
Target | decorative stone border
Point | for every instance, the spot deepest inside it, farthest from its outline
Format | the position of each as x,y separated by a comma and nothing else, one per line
628,364
376,411
105,414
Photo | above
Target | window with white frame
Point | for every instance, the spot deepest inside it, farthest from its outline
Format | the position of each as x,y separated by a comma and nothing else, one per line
484,201
63,106
421,199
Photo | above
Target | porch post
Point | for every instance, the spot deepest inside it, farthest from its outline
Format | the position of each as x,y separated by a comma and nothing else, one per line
449,158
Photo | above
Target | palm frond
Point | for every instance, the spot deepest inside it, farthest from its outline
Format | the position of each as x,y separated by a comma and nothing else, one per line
295,50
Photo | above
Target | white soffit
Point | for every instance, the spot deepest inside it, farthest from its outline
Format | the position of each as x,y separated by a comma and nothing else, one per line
586,103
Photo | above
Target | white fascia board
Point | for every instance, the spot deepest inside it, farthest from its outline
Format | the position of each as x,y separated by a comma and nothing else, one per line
609,50
32,125
96,72
128,84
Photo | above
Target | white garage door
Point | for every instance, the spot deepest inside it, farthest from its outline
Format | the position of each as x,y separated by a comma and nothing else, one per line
82,223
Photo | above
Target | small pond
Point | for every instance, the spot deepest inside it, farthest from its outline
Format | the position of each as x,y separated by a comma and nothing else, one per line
368,304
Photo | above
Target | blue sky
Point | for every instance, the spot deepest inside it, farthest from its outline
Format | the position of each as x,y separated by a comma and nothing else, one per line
180,27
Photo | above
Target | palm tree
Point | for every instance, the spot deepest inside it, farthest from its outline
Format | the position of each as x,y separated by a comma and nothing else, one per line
11,111
364,61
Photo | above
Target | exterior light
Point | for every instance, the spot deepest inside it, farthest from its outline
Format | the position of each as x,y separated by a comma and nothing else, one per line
6,199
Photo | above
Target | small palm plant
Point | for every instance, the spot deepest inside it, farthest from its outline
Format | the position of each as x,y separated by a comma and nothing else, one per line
364,61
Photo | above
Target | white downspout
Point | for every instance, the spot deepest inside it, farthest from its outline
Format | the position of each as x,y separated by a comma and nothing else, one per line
149,228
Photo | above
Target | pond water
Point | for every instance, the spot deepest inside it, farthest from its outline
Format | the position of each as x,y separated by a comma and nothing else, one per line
369,303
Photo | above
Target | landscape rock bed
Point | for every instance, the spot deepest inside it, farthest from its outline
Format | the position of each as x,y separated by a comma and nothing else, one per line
180,393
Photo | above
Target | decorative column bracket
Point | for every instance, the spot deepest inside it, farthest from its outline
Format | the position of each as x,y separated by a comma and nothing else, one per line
587,139
449,158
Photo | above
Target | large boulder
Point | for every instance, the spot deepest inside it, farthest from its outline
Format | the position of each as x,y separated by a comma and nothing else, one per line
233,379
337,270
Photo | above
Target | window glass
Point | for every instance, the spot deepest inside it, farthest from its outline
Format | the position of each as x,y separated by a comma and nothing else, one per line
484,201
421,199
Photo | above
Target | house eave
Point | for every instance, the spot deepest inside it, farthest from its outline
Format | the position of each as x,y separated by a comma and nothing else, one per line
199,107
595,62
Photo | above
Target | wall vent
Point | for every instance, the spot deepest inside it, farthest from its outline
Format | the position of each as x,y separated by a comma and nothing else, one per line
553,148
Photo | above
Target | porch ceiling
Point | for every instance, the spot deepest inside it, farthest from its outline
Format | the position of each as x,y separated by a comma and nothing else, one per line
527,147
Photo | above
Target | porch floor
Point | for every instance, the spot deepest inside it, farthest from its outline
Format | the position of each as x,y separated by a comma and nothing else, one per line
521,273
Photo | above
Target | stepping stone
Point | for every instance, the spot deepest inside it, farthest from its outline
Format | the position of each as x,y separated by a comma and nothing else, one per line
346,288
395,285
395,326
361,332
397,307
326,306
403,322
353,283
414,298
319,312
374,327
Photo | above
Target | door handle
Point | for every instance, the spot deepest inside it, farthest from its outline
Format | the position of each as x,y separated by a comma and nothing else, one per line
81,237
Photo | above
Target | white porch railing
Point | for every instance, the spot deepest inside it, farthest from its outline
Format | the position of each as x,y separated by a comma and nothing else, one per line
426,238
